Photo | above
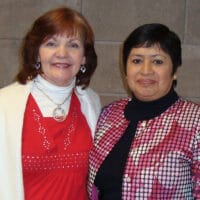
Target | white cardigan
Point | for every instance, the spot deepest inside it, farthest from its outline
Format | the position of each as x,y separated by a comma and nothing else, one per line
13,100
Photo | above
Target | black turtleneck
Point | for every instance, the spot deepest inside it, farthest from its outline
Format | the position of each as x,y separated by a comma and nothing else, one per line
109,177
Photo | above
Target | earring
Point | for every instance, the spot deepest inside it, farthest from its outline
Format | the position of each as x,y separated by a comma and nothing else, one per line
174,77
83,69
37,65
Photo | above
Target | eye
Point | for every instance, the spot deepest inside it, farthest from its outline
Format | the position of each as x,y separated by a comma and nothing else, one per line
158,62
136,61
50,44
74,45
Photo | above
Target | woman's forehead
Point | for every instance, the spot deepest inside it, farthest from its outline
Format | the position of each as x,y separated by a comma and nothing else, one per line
67,34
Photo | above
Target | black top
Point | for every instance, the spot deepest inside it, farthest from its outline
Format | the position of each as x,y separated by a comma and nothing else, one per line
109,176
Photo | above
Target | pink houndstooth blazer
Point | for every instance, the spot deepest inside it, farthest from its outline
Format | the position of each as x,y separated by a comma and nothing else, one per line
164,158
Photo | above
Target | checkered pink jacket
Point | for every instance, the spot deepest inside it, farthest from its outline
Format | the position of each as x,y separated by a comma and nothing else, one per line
164,158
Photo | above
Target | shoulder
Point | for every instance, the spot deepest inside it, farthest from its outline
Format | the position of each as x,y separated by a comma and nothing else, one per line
8,90
188,112
188,106
88,97
115,108
88,93
13,91
113,113
117,105
12,87
91,93
8,87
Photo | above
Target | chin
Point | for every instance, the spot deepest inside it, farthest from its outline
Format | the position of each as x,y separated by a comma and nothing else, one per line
145,97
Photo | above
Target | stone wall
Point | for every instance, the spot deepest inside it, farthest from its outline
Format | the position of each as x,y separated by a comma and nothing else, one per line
112,21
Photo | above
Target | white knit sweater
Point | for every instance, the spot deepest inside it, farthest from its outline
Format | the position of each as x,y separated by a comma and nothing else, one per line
13,101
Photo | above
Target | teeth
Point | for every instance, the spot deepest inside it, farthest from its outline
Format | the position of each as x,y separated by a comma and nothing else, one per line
62,65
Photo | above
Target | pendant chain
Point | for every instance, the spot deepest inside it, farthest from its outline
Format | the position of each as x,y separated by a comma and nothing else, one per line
58,113
48,97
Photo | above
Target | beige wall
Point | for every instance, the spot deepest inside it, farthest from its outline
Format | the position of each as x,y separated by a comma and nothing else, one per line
112,21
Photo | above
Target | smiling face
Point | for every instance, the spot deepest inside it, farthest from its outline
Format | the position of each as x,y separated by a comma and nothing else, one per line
61,58
149,73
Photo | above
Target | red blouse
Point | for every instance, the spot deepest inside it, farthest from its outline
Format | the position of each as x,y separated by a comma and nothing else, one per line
55,154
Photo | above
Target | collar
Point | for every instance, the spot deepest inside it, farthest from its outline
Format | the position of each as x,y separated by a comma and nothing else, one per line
137,110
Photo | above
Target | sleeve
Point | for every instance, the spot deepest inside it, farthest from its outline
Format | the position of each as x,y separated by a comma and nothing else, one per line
196,167
101,119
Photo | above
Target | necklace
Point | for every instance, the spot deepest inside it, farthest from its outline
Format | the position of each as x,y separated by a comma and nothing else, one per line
58,112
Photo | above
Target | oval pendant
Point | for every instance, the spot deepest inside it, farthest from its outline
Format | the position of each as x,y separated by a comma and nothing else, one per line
59,114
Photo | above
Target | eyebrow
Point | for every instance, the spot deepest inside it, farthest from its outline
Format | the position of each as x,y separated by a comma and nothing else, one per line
153,56
75,39
71,39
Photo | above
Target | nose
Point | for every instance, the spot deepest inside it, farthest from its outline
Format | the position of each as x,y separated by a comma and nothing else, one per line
146,68
61,52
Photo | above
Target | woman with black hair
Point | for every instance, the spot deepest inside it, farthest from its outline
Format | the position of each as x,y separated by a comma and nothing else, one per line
148,146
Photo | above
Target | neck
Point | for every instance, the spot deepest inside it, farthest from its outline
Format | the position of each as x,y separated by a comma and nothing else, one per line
140,110
50,97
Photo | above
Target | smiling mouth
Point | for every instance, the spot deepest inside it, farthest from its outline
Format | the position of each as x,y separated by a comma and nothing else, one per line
62,65
146,82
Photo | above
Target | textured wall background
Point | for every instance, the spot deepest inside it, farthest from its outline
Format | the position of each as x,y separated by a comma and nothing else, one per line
112,21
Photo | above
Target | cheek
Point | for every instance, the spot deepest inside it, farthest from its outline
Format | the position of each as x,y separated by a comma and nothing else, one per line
130,74
166,80
80,57
44,55
130,80
40,54
167,75
44,63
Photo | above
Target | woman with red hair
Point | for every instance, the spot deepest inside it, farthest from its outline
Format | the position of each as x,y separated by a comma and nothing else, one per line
48,117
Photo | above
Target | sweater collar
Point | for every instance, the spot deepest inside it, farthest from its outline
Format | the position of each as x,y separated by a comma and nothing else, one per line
137,110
